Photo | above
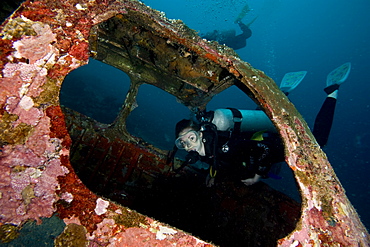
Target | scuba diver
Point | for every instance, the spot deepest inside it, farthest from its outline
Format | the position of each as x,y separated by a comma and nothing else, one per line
224,139
229,37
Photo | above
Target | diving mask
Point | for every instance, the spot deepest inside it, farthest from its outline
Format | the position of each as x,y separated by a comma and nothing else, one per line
189,140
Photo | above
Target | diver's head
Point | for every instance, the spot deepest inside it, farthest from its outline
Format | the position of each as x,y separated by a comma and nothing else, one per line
186,124
189,136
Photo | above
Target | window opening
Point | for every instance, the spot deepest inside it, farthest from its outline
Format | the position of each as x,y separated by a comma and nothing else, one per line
155,117
231,97
113,162
96,90
108,168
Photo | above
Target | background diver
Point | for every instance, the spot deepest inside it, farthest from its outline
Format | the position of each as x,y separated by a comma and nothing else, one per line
237,154
229,37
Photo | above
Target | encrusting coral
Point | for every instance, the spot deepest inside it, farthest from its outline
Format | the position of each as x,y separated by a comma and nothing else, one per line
40,44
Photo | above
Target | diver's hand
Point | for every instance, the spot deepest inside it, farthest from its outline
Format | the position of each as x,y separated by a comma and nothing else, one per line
210,181
250,181
192,157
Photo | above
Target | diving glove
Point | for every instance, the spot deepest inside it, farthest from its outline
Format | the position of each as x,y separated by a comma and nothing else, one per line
192,157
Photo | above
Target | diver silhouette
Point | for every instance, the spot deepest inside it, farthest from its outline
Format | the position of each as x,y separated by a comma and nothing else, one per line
229,37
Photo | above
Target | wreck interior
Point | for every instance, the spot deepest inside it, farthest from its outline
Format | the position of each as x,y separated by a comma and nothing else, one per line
118,159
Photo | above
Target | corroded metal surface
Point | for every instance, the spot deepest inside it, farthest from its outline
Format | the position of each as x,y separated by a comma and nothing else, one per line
40,45
44,40
105,164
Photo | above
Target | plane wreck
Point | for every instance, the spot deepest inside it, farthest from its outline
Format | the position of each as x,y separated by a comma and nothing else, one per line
51,157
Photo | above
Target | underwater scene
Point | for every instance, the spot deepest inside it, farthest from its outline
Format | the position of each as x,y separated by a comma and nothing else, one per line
277,37
123,125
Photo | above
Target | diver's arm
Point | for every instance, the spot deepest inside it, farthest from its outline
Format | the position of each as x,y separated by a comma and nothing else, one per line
260,154
250,181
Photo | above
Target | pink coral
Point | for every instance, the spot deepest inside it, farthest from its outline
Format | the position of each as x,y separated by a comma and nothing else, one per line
32,76
28,115
104,231
9,87
68,197
26,72
5,178
45,197
35,47
20,156
137,237
73,219
101,206
11,187
32,171
48,183
9,206
39,141
20,180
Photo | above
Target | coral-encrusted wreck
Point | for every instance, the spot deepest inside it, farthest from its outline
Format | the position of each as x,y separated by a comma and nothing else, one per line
45,40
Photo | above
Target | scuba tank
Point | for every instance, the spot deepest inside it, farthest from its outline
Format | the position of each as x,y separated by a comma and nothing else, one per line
247,120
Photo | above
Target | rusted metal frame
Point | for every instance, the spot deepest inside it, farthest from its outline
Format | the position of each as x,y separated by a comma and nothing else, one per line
135,158
306,158
113,169
100,162
148,72
90,151
120,123
149,64
259,86
71,132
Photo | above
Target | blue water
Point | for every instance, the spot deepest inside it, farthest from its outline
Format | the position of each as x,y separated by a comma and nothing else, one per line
288,35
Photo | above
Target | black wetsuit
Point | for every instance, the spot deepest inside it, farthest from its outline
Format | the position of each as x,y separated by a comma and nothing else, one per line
234,41
238,157
242,158
239,41
324,121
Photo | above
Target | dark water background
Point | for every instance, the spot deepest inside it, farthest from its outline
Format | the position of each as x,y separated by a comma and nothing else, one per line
288,35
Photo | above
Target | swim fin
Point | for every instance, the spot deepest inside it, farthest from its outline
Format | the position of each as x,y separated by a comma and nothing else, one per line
338,75
291,80
243,13
251,22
